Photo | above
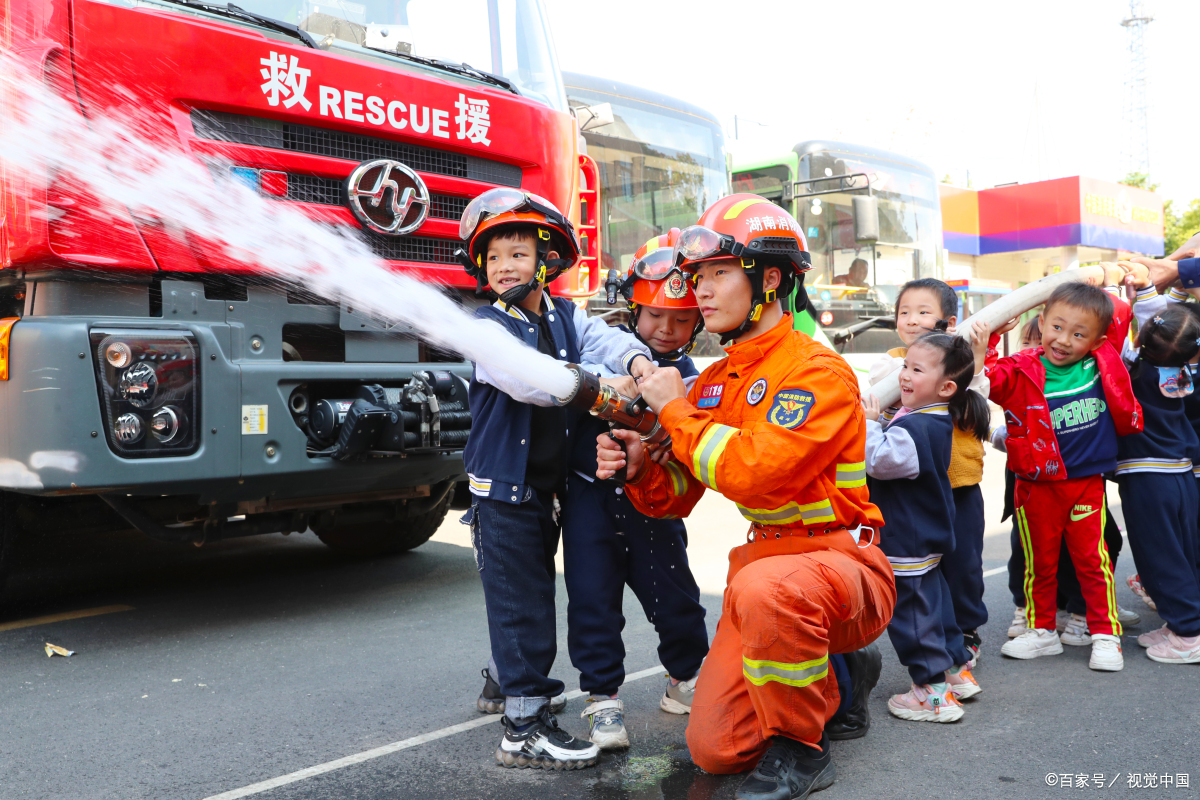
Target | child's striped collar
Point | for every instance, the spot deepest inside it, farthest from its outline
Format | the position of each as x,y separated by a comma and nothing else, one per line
935,408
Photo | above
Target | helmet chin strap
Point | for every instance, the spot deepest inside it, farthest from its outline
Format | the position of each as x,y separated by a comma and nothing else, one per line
759,298
547,270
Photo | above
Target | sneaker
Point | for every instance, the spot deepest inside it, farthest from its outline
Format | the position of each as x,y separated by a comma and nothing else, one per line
1061,618
1127,617
606,720
1152,638
1075,632
973,642
1019,624
491,699
1135,584
677,699
929,703
544,745
789,770
962,683
864,666
1106,653
1033,643
1176,650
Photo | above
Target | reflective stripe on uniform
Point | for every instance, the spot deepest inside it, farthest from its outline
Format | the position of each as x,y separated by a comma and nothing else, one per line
851,476
802,674
712,445
810,514
679,482
912,566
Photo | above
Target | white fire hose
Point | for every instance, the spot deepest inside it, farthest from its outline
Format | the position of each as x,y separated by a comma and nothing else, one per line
1011,305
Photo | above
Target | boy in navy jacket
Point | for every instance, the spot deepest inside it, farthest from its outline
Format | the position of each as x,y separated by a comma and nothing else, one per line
516,457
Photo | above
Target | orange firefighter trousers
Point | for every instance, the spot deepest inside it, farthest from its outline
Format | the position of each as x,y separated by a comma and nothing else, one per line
789,603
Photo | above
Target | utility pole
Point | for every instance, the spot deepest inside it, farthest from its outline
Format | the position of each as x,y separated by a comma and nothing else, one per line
1136,121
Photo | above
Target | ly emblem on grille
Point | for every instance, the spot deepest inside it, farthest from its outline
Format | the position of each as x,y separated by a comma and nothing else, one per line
387,197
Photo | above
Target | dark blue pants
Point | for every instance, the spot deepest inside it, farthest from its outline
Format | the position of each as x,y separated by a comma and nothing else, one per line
923,629
1070,595
607,543
1160,513
963,568
514,551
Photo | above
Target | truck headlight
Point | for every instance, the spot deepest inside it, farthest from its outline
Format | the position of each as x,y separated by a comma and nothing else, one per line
149,381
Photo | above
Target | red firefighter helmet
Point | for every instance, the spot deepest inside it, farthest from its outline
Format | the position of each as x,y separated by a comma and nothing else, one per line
760,234
653,278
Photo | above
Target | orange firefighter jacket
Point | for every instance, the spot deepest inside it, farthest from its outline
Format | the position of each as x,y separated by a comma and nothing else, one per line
778,428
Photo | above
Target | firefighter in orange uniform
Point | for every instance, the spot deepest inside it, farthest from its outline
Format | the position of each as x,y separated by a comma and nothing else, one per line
778,428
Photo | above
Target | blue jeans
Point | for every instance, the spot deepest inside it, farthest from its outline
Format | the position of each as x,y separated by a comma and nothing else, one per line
514,551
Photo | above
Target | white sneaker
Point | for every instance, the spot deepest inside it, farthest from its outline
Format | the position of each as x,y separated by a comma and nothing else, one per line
607,723
1106,653
1154,637
1128,617
1019,624
1033,643
1075,632
677,699
1061,618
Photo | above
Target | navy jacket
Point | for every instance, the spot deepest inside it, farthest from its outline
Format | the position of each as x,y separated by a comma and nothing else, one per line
496,450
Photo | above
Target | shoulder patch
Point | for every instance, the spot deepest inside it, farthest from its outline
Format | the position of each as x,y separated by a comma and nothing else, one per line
758,390
710,395
790,408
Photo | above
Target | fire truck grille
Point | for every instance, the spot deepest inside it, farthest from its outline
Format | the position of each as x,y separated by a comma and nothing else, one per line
412,248
258,132
328,191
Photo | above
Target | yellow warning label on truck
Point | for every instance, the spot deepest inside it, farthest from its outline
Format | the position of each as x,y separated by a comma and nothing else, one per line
254,420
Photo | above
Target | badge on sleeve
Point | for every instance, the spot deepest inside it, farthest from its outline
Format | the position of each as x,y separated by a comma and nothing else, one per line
758,390
790,408
710,395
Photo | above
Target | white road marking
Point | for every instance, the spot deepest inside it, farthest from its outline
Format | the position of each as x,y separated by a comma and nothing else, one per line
394,747
987,573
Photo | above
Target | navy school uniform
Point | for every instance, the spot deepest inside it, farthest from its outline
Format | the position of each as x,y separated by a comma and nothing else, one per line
1161,503
608,544
516,460
907,466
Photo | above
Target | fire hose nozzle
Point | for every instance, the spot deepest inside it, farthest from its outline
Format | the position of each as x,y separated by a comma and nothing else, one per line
611,406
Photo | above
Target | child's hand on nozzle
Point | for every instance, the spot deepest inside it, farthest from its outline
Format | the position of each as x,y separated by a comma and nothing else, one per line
610,457
641,367
1136,274
658,454
624,384
1113,274
871,408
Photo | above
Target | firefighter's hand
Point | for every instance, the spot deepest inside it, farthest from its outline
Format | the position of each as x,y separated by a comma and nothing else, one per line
624,384
1163,271
871,407
610,458
658,454
1189,249
661,387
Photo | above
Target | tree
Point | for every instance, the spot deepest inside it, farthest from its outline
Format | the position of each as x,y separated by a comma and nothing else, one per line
1177,228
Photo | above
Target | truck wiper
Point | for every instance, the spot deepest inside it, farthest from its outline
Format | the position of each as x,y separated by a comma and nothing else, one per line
849,332
449,66
230,10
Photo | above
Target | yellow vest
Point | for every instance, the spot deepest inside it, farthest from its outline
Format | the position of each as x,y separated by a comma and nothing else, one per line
966,452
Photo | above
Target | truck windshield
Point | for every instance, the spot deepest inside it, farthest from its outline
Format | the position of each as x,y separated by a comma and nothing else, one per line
509,38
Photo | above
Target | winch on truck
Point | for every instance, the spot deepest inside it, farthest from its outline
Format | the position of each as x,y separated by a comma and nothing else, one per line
148,381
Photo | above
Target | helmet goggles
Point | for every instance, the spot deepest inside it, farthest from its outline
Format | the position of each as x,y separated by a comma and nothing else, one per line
700,243
502,200
655,265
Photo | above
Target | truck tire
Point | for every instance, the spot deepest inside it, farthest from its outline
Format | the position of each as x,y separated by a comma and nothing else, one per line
386,538
8,532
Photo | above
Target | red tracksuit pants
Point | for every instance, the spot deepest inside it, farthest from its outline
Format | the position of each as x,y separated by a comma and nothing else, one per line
1048,511
789,603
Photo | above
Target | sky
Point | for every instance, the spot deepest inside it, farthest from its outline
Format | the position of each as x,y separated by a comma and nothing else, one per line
994,91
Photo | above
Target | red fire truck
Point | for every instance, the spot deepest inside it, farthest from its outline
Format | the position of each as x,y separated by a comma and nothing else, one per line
147,382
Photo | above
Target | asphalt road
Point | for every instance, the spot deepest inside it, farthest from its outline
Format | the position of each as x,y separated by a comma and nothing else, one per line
255,659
